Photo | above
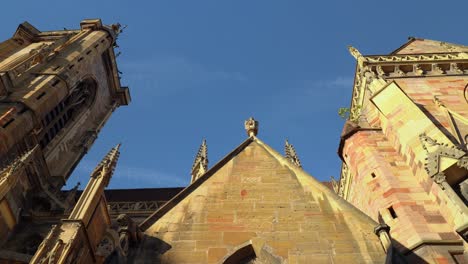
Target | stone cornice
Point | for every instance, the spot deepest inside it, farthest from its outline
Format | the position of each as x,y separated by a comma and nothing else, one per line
385,67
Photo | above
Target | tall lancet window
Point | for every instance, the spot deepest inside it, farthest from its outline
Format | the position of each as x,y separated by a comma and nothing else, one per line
80,98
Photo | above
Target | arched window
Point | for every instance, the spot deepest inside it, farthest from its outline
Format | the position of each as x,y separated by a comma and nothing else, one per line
80,98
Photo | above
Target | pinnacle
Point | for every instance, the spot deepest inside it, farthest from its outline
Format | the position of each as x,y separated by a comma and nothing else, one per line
109,161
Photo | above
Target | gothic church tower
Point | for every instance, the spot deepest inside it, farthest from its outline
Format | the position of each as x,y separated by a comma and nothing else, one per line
57,90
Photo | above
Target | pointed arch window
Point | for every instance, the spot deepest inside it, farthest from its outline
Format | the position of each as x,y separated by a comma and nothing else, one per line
80,98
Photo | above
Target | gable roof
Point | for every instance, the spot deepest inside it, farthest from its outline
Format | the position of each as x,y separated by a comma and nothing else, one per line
304,179
424,46
194,185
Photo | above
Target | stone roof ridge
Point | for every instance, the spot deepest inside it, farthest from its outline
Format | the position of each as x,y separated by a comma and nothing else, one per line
194,185
438,46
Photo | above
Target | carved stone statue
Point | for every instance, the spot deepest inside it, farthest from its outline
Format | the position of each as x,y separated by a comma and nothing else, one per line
251,126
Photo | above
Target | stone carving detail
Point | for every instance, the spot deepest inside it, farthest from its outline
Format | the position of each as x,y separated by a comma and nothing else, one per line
129,232
419,57
354,52
109,243
87,140
440,178
463,162
108,164
401,66
417,70
17,164
335,184
343,179
251,126
200,164
437,150
116,207
291,155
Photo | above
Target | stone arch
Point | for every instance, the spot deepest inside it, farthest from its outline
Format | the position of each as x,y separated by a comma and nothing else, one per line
83,94
244,254
81,97
255,251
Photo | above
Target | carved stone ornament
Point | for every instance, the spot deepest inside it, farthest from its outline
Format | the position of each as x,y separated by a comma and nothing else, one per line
440,178
251,127
7,173
354,52
335,184
107,164
402,66
291,155
343,179
129,229
109,243
463,163
200,164
435,151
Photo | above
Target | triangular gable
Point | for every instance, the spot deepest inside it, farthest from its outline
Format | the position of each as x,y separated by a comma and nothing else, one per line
255,194
424,46
306,180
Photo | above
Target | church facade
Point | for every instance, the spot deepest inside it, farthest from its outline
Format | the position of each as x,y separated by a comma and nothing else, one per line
401,196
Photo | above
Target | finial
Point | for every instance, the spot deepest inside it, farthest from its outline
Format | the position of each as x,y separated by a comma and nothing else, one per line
108,163
291,155
251,126
200,164
354,52
16,164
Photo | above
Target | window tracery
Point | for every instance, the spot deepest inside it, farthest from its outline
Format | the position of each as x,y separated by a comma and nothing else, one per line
81,97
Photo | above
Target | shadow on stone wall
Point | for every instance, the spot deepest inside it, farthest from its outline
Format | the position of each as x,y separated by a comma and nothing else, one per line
398,257
149,250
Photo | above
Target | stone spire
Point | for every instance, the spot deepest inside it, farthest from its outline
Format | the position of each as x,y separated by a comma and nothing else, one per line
251,126
200,164
291,155
107,165
17,163
86,226
8,175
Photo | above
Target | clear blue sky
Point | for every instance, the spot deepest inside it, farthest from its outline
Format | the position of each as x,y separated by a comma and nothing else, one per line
199,68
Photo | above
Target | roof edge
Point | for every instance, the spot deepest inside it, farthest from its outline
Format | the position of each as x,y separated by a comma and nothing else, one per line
343,204
193,186
407,43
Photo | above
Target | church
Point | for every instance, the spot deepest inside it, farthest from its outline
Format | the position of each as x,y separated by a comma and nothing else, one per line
401,196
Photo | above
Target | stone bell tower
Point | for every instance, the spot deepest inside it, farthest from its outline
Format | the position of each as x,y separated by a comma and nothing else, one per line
57,90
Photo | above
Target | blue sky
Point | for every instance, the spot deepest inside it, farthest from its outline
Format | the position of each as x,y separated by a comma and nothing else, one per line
198,69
